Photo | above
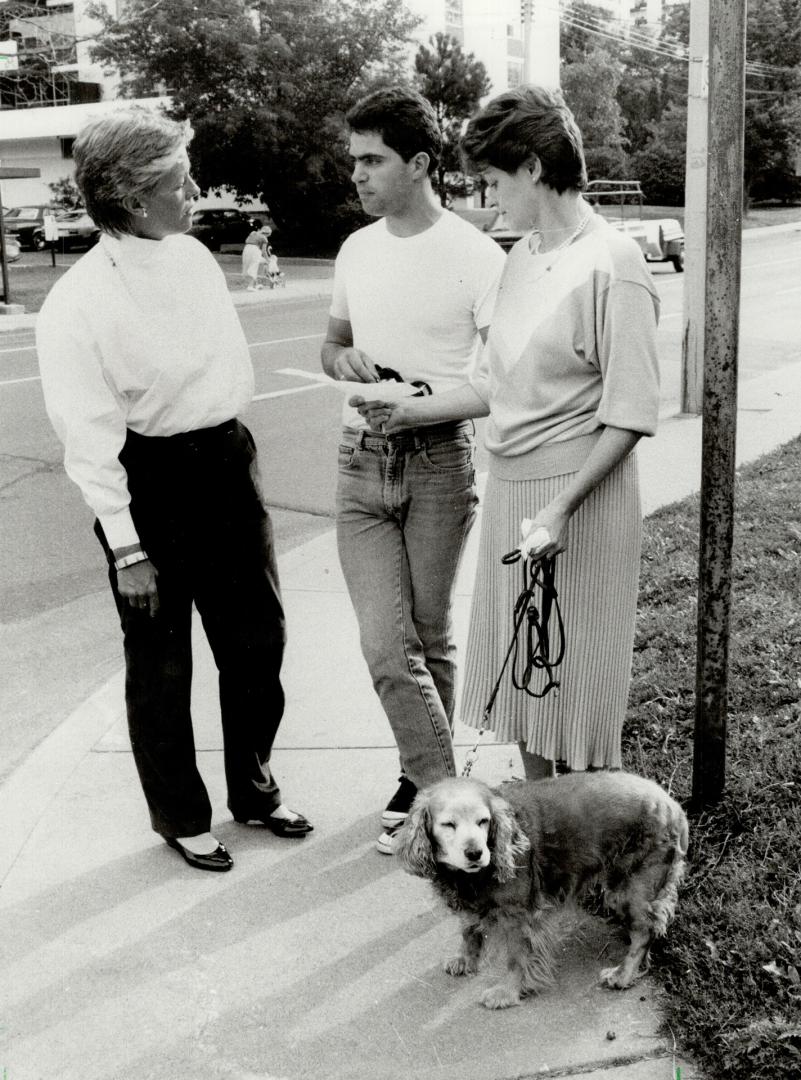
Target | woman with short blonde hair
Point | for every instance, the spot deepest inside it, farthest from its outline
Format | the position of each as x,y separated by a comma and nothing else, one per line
145,371
120,157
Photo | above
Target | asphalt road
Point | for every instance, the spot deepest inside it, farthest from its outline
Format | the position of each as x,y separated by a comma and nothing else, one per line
58,634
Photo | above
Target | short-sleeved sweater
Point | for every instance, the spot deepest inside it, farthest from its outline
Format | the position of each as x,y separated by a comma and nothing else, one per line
572,348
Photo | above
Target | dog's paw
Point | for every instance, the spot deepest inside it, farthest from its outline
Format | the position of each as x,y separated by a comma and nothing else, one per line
500,997
616,978
460,965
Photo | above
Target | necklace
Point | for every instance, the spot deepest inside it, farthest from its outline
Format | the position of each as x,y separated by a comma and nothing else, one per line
556,252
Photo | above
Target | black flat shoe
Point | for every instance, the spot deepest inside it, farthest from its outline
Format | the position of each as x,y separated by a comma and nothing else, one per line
289,829
218,860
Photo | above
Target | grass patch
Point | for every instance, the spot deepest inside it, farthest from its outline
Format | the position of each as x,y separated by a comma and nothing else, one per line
759,214
755,216
732,959
29,285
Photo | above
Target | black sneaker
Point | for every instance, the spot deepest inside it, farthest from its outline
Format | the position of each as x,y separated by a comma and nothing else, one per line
399,805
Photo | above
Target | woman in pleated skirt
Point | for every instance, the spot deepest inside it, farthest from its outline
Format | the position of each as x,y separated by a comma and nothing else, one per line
596,580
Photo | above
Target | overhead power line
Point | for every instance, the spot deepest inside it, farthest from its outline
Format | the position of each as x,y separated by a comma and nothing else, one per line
628,36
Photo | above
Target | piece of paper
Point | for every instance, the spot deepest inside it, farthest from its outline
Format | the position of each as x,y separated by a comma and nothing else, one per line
376,391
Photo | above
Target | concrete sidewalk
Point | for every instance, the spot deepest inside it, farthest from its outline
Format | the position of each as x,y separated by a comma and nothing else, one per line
311,960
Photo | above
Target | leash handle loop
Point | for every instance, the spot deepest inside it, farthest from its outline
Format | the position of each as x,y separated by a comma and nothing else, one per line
538,574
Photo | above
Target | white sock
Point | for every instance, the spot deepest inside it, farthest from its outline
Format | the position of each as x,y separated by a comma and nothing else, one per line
202,844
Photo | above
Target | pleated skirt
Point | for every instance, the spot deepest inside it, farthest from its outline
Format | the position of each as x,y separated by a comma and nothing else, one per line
597,579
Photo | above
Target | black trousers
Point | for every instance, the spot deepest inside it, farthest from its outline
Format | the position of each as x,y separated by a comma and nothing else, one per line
197,506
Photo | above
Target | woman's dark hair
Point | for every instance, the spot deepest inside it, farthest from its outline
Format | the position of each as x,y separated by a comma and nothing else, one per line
522,124
403,118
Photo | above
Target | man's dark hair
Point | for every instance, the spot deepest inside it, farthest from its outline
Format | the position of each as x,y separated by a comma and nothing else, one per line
403,118
525,123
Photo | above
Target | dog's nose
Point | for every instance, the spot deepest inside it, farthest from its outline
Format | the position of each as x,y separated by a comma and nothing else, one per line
472,854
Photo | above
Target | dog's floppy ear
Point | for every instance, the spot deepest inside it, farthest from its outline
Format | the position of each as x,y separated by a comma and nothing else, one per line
413,841
507,841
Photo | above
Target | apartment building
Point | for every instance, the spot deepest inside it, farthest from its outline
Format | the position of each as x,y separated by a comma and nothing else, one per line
640,13
516,40
42,106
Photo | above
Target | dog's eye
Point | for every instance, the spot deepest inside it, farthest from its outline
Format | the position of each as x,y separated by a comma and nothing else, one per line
447,824
483,823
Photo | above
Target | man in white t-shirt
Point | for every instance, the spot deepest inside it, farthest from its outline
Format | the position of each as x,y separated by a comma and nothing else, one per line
413,295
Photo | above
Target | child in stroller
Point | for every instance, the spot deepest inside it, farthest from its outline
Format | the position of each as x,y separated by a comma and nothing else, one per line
269,271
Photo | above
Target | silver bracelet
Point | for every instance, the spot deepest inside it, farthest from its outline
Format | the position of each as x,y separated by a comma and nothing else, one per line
130,560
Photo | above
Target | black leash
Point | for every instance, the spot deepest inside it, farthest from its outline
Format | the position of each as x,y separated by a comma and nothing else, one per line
537,574
538,577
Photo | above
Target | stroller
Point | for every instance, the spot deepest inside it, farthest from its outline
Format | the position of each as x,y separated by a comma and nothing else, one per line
270,273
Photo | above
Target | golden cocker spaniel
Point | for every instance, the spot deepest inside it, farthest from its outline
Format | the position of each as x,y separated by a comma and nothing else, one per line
508,860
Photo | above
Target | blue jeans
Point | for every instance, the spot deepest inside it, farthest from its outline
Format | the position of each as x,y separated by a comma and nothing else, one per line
405,505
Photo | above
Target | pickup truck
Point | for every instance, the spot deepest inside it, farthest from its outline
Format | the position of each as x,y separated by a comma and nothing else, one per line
621,203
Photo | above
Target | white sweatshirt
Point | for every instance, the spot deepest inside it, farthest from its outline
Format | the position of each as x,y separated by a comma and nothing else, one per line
139,334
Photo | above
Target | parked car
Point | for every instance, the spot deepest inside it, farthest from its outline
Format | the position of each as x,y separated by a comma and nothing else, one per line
215,227
76,229
492,223
26,224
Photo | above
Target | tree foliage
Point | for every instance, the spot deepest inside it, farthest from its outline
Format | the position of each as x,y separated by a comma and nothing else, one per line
651,93
454,82
65,193
590,85
617,85
265,84
580,29
773,100
660,165
654,77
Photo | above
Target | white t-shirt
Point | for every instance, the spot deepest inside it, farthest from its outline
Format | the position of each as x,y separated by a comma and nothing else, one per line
416,303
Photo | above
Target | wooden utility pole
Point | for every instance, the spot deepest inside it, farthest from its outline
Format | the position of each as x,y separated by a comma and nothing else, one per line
695,224
722,320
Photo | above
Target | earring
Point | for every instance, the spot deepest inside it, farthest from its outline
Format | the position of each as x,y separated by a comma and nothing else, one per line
144,211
